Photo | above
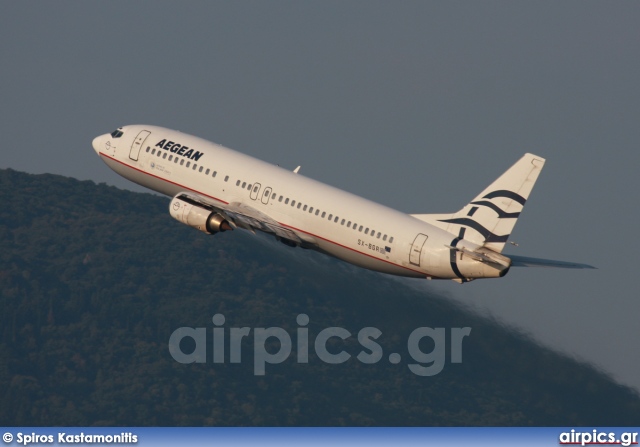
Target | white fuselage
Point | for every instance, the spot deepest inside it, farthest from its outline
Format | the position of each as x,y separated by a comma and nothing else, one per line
341,224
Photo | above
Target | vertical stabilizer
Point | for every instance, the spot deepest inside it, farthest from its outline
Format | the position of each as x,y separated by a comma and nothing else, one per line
489,218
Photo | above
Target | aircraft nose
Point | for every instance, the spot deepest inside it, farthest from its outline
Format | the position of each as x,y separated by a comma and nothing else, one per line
98,143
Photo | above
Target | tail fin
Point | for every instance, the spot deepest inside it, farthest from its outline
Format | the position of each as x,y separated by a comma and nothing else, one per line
489,219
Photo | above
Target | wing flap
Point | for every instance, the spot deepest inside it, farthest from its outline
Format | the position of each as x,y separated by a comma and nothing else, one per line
247,217
259,221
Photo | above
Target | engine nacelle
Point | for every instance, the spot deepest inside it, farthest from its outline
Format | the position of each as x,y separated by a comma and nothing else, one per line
191,213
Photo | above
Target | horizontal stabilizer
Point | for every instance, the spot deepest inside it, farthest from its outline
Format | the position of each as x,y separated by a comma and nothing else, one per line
524,261
489,257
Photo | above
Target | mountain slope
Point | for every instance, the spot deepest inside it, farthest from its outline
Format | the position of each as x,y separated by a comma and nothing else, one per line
94,280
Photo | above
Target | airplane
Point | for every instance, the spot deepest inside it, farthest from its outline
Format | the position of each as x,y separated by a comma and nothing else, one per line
215,189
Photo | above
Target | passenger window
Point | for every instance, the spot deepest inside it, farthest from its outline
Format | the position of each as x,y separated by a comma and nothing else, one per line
304,208
286,202
384,238
342,223
170,157
148,148
188,164
317,212
266,193
195,166
324,213
256,190
207,171
280,199
200,170
293,203
360,229
182,162
391,239
164,156
336,220
311,210
299,205
215,173
273,197
330,216
244,185
226,178
238,183
153,152
366,231
378,236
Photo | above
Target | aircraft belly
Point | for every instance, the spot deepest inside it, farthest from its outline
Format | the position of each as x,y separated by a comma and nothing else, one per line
142,178
366,261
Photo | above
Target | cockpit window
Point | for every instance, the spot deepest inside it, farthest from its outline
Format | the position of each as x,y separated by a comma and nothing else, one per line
116,133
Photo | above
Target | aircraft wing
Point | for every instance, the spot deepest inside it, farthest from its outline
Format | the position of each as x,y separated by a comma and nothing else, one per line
524,261
241,215
251,219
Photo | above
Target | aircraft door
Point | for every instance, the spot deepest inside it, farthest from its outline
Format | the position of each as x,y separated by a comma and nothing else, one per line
137,144
266,195
255,189
416,249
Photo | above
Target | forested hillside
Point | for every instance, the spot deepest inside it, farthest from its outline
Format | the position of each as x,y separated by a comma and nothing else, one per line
94,280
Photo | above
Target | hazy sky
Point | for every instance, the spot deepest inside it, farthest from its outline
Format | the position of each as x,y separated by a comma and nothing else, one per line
416,105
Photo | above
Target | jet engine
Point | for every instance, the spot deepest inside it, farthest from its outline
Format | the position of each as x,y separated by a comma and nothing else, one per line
192,213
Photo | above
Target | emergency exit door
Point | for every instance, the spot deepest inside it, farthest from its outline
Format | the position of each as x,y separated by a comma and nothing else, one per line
137,144
415,255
